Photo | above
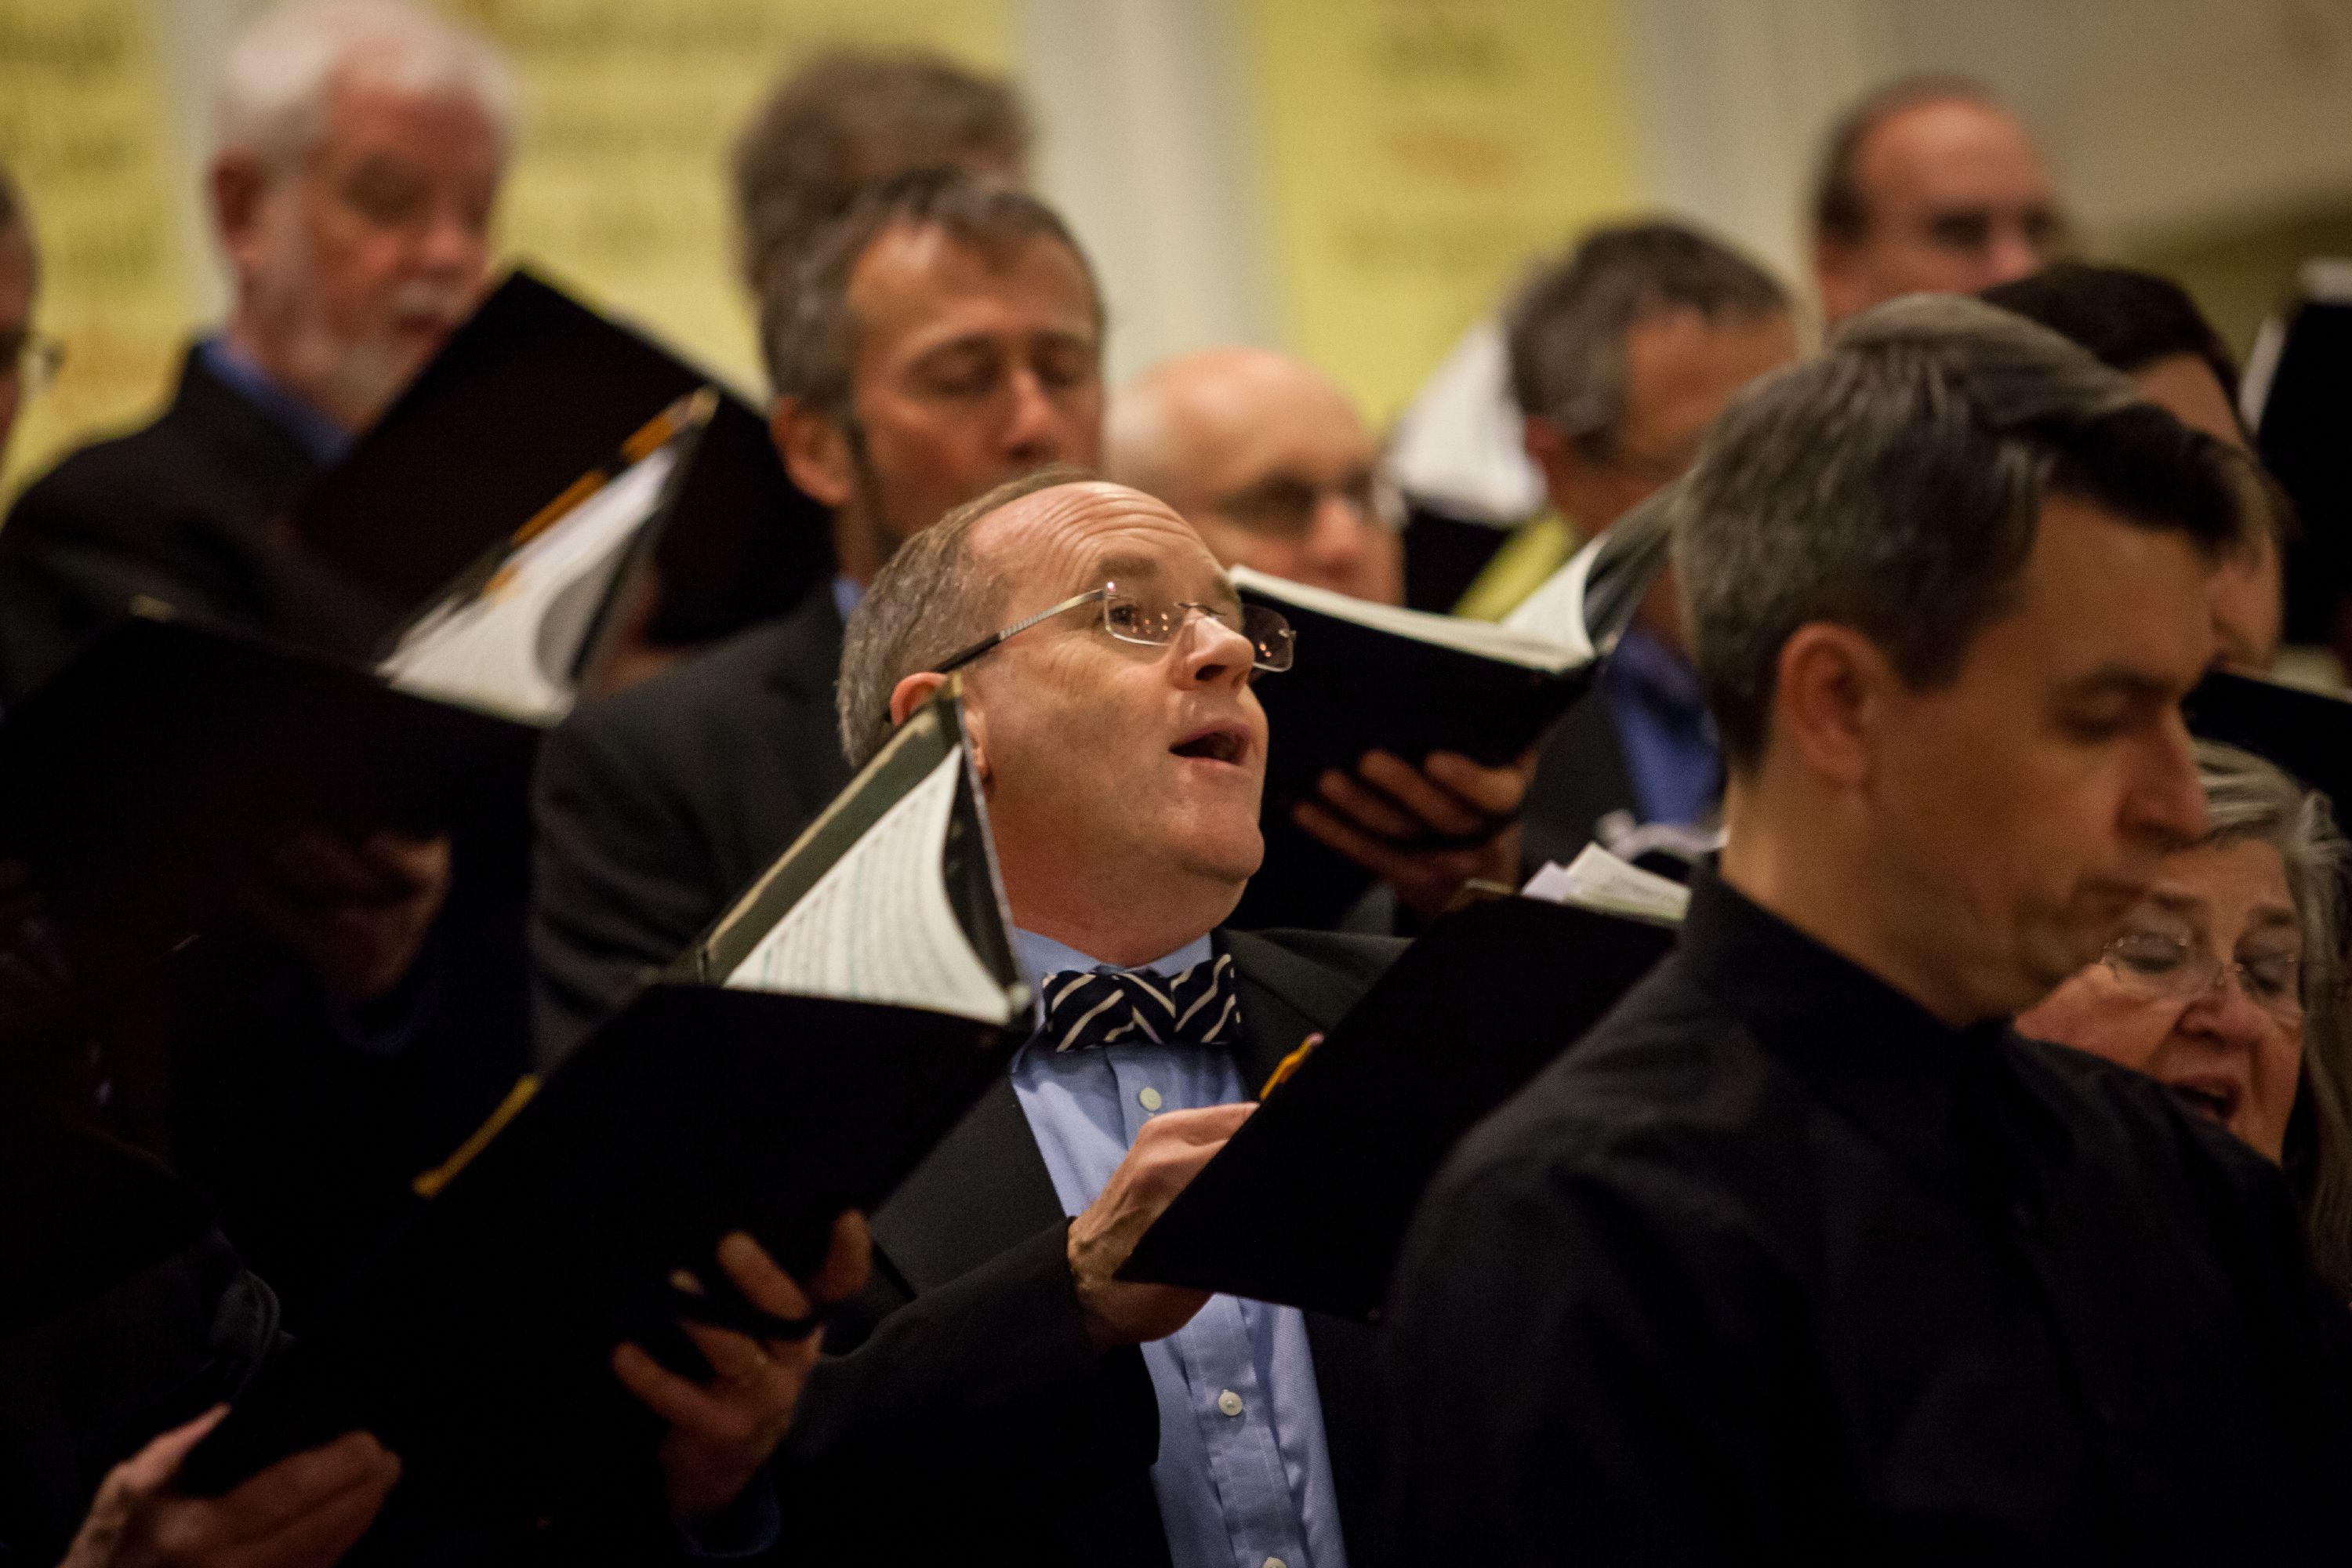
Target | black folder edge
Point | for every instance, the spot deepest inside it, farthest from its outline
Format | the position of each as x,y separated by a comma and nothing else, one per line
1330,1248
258,1431
2307,733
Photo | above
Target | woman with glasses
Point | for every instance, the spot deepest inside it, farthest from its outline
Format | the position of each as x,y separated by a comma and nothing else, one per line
2226,985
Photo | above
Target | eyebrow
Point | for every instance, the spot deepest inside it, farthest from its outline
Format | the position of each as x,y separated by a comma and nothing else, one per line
1117,568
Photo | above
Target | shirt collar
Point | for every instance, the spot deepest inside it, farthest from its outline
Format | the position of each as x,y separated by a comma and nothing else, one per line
1042,955
847,595
1891,1068
326,440
1665,676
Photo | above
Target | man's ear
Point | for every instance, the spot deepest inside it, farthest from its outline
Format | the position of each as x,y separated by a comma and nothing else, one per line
1831,688
919,688
1550,449
814,451
239,188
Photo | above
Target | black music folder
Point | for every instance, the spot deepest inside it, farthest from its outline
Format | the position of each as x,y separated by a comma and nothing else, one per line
534,390
2308,734
1308,1204
856,1001
1369,677
137,779
2298,400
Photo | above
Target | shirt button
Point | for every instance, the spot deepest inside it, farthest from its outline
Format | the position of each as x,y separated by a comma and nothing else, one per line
1276,1563
1229,1403
1149,1099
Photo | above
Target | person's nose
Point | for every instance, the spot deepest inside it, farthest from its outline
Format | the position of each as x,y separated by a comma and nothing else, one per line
453,245
1211,653
2225,1016
2013,254
1035,430
1338,537
2164,804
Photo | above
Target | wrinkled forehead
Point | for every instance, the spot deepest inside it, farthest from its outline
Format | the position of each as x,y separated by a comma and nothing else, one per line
1074,538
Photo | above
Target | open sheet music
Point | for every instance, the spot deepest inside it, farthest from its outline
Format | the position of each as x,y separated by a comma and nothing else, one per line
891,896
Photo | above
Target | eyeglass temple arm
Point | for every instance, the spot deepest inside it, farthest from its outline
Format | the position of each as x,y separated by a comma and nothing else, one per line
966,656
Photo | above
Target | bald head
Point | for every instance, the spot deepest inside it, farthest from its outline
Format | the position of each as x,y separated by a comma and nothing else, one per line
1113,765
1267,458
1929,188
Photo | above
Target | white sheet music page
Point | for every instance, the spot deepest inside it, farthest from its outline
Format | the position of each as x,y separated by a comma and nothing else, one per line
512,646
877,926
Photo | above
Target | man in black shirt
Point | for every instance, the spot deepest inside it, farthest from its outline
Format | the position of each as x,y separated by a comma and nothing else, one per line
1802,1255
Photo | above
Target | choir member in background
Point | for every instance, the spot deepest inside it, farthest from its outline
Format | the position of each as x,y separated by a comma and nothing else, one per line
1623,352
1268,460
2149,328
943,337
1930,185
360,148
847,118
1805,1254
2227,983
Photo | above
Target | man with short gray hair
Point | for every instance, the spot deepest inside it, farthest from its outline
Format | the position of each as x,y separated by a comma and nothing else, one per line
943,337
1803,1255
361,147
1622,352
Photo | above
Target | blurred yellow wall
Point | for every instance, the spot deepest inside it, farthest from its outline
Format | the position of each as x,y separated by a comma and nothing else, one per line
632,106
1417,154
85,126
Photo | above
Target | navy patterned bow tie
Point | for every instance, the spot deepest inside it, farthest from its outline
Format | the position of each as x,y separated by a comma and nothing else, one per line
1117,1006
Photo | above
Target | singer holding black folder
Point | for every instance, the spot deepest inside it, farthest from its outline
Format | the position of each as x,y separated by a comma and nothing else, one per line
1042,1408
1803,1253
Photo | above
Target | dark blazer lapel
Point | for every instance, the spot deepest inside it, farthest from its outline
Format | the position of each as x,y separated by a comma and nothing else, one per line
1285,997
808,665
981,1191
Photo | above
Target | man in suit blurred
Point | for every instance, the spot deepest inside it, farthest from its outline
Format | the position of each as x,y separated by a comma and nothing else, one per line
1268,460
361,147
943,338
1046,1409
1622,352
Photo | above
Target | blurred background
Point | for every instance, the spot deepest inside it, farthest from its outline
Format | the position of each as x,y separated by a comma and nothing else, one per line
1354,180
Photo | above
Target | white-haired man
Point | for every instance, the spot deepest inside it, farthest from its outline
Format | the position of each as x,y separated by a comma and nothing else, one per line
361,146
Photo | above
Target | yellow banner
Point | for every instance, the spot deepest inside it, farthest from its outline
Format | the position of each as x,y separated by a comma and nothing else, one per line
631,110
84,127
1418,153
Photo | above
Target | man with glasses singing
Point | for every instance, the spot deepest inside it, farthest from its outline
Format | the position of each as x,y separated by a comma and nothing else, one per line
1040,1406
1267,458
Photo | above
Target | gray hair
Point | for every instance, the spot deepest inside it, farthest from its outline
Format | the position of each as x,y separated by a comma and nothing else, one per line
275,83
1567,324
1894,485
848,117
806,327
931,598
2248,800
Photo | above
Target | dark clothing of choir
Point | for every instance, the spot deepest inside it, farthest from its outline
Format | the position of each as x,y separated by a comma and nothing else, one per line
1774,1266
183,512
657,806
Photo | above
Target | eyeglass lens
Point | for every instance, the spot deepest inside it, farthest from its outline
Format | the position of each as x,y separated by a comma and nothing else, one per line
1133,620
2154,964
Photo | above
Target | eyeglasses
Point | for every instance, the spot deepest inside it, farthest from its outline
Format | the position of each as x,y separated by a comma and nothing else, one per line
1284,506
2155,965
1153,624
35,358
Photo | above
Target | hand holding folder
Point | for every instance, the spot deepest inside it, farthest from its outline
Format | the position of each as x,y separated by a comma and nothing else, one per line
795,1064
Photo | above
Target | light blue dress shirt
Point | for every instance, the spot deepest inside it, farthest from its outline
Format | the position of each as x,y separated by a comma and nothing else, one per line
310,425
1672,755
1242,1479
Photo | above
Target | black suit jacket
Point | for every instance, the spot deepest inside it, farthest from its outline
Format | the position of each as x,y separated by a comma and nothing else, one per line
181,510
657,806
966,1416
1579,778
